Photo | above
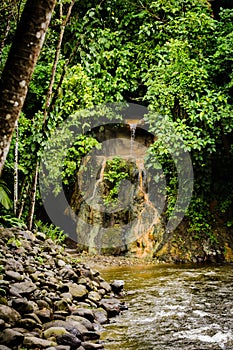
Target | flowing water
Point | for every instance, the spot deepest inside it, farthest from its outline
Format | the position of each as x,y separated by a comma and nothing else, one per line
173,307
132,137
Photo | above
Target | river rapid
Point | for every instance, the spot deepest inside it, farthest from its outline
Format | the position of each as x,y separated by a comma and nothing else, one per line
173,307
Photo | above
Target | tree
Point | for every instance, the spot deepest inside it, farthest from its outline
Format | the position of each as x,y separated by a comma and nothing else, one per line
20,65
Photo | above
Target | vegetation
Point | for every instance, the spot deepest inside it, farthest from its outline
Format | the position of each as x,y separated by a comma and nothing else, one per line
50,231
174,57
116,170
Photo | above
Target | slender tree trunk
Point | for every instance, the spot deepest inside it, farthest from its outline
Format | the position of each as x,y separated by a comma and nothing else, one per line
20,65
33,197
47,106
23,195
16,163
57,55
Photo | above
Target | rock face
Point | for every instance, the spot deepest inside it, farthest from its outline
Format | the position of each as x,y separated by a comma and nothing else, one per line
132,223
48,300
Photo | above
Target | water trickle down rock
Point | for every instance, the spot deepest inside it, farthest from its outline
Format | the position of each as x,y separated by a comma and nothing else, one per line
133,225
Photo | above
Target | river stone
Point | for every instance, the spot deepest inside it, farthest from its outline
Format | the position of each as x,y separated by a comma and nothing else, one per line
61,305
28,235
106,286
3,347
60,315
67,297
101,315
44,315
23,306
41,236
68,274
92,346
13,275
90,336
25,246
34,317
42,304
76,328
86,323
11,337
117,286
94,296
35,276
13,291
26,287
2,324
31,341
87,313
28,323
54,332
69,339
78,291
71,326
112,306
61,263
60,347
9,315
14,265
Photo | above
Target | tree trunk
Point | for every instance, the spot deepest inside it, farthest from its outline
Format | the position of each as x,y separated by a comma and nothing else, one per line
16,165
47,106
33,197
57,55
20,65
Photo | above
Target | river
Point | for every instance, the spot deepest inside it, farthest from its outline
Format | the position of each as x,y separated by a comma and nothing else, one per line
173,307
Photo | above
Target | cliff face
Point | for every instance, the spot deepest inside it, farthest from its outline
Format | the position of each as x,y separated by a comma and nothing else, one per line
183,246
115,213
119,208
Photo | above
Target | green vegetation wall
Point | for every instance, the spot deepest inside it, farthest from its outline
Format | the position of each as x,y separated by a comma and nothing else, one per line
175,57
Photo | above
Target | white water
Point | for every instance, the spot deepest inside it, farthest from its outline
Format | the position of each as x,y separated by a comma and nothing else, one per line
173,308
132,137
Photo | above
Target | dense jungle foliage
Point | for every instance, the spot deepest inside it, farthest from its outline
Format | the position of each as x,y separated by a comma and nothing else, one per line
174,57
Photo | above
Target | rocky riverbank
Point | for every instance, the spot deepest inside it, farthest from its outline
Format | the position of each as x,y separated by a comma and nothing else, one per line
102,261
48,298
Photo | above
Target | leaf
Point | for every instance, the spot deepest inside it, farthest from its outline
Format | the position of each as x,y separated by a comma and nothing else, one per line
5,200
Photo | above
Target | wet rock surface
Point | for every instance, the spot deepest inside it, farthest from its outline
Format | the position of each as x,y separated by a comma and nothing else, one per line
49,299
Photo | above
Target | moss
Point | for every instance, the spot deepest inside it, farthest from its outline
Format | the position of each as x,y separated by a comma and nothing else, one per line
228,253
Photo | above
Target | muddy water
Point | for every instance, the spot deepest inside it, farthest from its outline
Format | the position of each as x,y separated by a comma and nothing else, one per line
173,307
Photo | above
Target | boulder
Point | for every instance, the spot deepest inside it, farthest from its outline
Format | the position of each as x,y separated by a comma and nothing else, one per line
101,315
54,332
86,313
26,287
111,305
13,275
33,342
78,291
11,337
9,315
23,306
69,339
3,347
117,286
82,320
